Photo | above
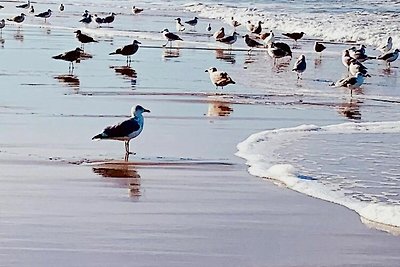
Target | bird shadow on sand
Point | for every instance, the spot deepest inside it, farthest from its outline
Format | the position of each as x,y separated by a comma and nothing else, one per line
121,174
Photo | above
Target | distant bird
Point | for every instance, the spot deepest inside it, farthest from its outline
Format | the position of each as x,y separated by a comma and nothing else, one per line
346,58
219,78
219,34
229,40
86,19
127,50
250,26
136,10
359,54
45,15
278,50
258,28
294,35
300,66
61,8
126,130
18,19
170,37
2,25
110,18
208,27
356,66
318,47
384,48
235,23
192,22
251,43
26,6
352,82
389,57
179,26
70,56
32,10
1,7
98,20
268,39
85,13
83,38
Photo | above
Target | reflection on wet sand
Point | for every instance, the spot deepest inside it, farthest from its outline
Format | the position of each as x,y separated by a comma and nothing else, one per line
281,66
170,53
2,41
218,108
19,35
351,109
69,80
126,72
124,175
317,62
225,56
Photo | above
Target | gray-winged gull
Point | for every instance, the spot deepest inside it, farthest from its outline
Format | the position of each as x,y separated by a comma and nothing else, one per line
219,78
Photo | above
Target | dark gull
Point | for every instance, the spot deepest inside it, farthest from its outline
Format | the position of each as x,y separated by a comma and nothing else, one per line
45,15
18,19
83,38
300,66
219,34
170,37
26,6
192,22
127,50
318,47
70,56
294,35
126,130
389,57
136,10
251,43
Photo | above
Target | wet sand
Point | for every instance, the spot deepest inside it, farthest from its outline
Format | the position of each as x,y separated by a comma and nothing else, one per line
184,199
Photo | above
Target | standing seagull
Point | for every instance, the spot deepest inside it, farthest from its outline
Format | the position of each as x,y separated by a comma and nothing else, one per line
235,23
294,35
179,26
83,38
109,19
70,56
136,10
251,43
258,28
352,82
170,37
2,25
229,40
18,19
346,58
127,50
279,50
209,27
389,57
26,6
219,78
86,19
300,66
387,46
192,22
45,15
318,47
126,130
219,34
61,8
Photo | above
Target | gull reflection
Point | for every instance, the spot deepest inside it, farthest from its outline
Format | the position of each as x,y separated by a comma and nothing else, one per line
351,109
69,80
225,56
2,41
127,73
169,53
218,108
122,174
19,35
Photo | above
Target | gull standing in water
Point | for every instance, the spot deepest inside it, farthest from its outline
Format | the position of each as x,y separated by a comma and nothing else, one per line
26,6
18,19
251,43
192,22
179,26
45,15
352,82
61,8
70,56
209,27
300,66
294,35
229,40
83,38
389,57
170,37
219,78
136,10
126,130
127,50
318,47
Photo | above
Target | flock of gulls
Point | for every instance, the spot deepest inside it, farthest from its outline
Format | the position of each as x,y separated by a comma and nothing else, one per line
352,58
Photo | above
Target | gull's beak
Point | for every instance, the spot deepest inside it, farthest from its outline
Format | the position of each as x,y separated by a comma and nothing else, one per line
206,71
146,110
367,75
138,42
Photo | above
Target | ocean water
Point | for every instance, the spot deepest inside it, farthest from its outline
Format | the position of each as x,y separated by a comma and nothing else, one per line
353,164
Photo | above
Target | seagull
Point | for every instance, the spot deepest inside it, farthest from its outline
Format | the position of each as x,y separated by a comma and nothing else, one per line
270,38
258,28
356,66
279,50
83,38
26,6
229,40
32,10
300,66
389,57
387,46
346,58
318,47
170,37
109,19
1,7
219,78
219,34
209,27
179,26
284,47
294,35
86,19
61,8
136,10
98,20
45,15
18,19
251,43
126,130
235,23
127,50
70,56
85,14
352,82
192,22
359,54
2,25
